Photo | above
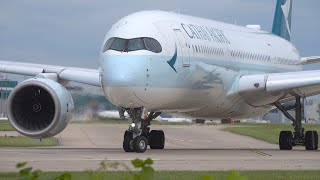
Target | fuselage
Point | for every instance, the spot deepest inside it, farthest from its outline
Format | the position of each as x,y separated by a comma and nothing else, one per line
196,69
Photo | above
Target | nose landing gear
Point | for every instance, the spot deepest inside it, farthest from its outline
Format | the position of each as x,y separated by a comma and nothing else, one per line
286,139
136,139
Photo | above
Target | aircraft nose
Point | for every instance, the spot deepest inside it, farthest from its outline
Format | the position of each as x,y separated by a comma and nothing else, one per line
123,71
122,97
119,77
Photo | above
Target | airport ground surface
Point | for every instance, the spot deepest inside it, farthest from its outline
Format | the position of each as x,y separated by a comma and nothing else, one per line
196,147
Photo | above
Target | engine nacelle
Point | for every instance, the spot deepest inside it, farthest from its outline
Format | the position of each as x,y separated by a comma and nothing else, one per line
40,108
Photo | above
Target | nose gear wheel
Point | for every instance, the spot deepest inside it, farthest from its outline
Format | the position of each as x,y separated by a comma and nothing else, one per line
136,139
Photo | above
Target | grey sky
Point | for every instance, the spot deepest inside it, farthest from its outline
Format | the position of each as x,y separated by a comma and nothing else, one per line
70,32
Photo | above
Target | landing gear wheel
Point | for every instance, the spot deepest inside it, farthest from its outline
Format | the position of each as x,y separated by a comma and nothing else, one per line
311,140
127,142
300,138
140,144
156,139
284,140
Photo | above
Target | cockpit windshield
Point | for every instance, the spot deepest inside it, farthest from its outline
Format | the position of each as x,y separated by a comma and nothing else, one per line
118,44
127,45
135,44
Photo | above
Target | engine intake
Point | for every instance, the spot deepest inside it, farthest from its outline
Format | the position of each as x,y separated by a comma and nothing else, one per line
40,108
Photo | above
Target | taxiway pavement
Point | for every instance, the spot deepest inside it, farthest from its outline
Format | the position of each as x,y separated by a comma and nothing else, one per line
197,147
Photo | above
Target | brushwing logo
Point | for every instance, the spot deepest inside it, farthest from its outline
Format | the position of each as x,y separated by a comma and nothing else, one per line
286,12
173,60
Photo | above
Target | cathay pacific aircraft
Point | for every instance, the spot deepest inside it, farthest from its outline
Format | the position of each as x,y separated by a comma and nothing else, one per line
155,61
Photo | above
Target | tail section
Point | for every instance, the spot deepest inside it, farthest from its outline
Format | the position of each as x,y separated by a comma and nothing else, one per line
282,19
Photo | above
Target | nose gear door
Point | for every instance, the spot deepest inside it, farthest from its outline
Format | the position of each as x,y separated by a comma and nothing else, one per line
183,45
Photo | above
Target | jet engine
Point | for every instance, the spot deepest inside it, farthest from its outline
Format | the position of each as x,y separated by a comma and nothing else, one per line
40,108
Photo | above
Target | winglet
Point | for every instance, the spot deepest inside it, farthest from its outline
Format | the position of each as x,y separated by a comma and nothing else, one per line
282,19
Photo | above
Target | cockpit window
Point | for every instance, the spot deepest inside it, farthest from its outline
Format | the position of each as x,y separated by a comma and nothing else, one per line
127,45
118,44
135,44
108,44
152,45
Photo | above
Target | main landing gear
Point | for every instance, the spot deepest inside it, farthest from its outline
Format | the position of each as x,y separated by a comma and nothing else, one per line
136,139
287,140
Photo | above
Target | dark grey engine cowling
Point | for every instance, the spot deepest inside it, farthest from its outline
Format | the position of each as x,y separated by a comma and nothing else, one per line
40,108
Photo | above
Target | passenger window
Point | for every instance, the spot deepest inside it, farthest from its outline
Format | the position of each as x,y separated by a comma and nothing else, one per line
135,44
152,45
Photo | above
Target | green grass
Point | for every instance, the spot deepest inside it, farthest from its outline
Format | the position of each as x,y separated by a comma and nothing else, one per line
6,126
183,175
266,132
21,141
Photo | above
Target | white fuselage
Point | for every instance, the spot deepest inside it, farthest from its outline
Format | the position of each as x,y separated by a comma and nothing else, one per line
196,74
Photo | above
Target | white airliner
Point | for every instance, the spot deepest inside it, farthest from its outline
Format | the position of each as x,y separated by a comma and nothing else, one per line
163,61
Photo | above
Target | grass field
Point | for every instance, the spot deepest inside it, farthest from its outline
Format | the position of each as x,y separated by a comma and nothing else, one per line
5,126
22,141
266,132
182,175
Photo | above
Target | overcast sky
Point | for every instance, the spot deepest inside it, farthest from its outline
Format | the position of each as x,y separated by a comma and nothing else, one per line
70,32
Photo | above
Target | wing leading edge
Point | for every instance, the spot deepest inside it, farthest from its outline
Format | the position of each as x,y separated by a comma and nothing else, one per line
80,75
263,89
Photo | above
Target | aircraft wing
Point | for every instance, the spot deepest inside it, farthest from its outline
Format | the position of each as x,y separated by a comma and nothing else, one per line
263,89
80,75
310,60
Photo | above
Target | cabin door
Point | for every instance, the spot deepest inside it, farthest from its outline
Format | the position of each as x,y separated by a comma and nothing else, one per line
184,48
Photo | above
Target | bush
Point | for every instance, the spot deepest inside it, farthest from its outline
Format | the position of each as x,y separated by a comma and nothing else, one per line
142,171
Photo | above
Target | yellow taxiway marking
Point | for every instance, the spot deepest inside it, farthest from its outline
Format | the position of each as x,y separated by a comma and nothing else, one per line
260,153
